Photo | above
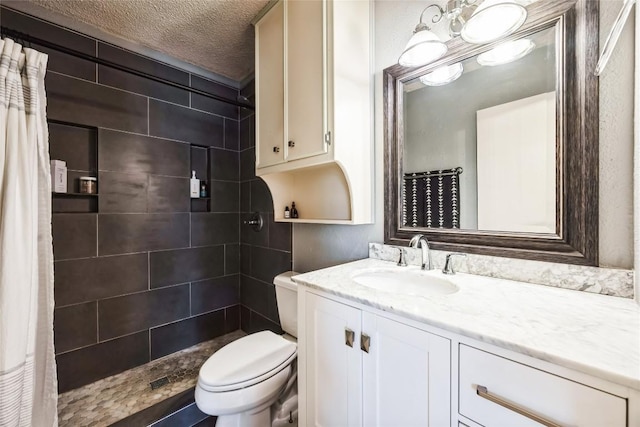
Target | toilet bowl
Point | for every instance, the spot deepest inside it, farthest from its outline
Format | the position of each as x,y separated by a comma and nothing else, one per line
241,381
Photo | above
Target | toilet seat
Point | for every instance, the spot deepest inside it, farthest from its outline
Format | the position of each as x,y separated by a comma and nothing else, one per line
247,361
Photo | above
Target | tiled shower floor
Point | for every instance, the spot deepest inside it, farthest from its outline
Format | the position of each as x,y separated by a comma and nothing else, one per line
111,399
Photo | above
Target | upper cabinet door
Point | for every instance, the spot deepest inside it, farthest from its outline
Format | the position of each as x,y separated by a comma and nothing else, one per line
270,88
305,78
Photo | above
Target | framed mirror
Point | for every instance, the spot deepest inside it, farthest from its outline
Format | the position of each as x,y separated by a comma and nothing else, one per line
493,149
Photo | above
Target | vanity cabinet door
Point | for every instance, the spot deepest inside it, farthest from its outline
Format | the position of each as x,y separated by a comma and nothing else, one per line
333,374
406,375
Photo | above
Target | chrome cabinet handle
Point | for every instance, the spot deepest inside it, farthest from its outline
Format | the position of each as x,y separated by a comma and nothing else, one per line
349,336
484,393
276,149
365,342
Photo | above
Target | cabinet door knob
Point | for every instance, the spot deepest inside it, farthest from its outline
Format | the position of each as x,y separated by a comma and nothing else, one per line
276,149
365,342
349,336
292,144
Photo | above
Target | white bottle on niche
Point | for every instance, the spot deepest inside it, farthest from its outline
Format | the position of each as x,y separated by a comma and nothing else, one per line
195,186
58,176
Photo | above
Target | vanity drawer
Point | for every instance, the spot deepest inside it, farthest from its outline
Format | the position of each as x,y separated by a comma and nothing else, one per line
510,387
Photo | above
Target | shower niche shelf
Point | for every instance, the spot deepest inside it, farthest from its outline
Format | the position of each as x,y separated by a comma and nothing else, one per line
54,194
201,163
77,145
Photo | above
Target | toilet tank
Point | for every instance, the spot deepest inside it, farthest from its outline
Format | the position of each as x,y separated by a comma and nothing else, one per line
287,297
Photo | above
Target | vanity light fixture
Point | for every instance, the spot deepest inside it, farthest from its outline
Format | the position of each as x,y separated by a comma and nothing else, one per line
506,52
476,21
493,20
423,46
443,75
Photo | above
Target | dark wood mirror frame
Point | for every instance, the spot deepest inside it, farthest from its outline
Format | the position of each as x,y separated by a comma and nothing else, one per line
577,134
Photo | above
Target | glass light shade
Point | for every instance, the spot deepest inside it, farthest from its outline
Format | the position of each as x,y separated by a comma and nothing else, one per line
443,75
423,47
492,20
506,52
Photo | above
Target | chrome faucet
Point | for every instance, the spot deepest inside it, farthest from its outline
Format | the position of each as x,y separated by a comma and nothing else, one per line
448,265
419,239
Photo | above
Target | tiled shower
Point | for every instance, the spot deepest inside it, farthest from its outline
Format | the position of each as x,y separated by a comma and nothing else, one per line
142,270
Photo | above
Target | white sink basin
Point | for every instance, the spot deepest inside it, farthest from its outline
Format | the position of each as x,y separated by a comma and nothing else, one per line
407,282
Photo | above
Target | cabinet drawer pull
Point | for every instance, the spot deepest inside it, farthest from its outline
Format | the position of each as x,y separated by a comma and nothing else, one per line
276,149
365,342
484,393
349,335
292,144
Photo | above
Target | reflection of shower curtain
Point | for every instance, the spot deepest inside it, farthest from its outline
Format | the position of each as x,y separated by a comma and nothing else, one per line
431,199
28,386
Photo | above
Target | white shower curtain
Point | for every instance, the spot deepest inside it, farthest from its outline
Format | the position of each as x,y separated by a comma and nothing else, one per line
28,384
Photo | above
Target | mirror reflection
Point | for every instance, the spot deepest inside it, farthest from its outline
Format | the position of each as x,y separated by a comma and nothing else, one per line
480,147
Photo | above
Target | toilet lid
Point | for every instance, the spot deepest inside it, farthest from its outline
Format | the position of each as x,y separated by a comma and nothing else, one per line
245,359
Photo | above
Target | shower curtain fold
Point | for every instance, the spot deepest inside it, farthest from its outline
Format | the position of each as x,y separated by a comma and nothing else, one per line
28,385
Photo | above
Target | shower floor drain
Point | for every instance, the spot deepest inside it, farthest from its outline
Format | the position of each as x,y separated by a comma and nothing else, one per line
155,384
174,377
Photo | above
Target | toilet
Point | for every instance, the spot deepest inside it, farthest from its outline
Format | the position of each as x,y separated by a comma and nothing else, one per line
243,380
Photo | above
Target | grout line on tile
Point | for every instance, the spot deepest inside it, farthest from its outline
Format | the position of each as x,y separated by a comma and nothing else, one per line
224,259
97,233
224,133
100,342
96,64
97,323
125,172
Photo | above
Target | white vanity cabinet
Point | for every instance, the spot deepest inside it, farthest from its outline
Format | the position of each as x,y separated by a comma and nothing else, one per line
314,115
361,369
360,366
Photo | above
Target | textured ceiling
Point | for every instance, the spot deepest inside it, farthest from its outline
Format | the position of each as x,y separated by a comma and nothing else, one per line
213,34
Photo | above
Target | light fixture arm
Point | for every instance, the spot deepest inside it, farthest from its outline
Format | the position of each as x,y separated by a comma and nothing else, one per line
437,17
453,11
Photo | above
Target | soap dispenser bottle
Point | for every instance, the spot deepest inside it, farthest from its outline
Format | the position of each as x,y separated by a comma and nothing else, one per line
195,186
294,211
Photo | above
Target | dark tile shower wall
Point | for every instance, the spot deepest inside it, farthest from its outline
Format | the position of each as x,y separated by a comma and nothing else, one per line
137,274
263,254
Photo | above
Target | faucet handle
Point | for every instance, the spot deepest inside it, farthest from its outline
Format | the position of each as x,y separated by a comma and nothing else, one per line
448,264
402,261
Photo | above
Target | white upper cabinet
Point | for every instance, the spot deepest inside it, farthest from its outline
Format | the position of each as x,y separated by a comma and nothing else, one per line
314,113
270,103
305,79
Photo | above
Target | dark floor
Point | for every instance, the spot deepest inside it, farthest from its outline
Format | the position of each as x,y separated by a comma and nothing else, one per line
177,411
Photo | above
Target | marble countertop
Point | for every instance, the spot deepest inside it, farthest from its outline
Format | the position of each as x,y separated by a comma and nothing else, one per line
594,334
